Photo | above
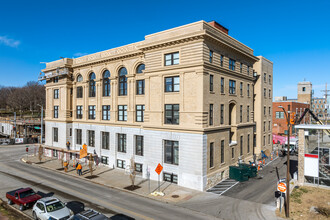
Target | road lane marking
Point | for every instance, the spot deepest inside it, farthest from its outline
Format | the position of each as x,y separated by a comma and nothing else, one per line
123,210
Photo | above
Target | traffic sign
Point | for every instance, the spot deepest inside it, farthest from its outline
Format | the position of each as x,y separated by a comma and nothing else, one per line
159,169
281,187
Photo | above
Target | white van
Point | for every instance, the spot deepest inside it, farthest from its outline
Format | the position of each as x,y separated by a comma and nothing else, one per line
293,146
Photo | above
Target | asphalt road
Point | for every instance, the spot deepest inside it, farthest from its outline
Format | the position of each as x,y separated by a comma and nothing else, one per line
15,174
261,190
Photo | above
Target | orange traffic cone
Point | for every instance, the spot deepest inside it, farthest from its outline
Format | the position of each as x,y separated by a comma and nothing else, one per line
263,162
258,167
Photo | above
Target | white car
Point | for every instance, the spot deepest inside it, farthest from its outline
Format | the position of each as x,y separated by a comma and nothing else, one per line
50,208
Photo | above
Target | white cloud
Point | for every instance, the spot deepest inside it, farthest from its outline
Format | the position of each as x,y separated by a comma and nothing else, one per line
79,54
9,42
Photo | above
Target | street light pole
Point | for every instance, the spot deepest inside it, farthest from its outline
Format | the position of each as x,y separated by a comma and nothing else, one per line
287,212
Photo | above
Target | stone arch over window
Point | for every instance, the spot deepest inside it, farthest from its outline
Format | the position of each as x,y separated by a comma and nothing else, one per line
232,113
106,83
80,78
92,86
140,68
122,81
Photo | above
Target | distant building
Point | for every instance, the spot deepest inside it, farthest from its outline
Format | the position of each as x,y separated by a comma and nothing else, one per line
304,92
280,126
320,107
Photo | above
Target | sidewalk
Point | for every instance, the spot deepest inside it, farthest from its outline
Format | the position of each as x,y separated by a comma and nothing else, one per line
116,178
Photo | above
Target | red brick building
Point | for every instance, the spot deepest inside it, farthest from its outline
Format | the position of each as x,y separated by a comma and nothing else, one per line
280,126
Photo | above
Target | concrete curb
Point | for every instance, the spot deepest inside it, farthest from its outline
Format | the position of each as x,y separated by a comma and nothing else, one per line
117,188
16,210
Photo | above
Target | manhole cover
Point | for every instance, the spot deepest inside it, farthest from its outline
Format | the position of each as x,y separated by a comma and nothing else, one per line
175,196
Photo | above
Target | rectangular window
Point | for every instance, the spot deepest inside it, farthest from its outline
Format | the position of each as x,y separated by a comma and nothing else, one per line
211,83
264,126
56,111
170,177
265,78
105,140
265,140
241,113
55,134
70,132
269,94
269,110
211,56
140,87
241,146
248,70
248,90
264,110
222,151
79,136
232,152
269,139
270,79
172,114
221,60
232,64
140,113
91,138
265,93
171,59
55,80
122,112
122,143
248,143
105,112
222,85
104,160
79,92
211,154
279,114
269,126
56,93
211,115
91,112
121,164
248,113
241,88
221,113
79,112
138,167
171,152
241,67
139,145
232,87
172,84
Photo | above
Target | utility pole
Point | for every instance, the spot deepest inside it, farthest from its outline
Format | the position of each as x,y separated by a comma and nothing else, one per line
326,103
42,122
15,125
287,212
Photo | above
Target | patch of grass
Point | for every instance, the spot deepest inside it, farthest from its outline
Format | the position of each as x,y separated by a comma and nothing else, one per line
297,193
324,211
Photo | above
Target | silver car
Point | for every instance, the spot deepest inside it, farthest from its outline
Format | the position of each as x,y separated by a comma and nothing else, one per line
50,208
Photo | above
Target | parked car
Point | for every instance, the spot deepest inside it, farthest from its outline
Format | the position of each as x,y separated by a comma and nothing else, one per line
89,214
24,197
51,208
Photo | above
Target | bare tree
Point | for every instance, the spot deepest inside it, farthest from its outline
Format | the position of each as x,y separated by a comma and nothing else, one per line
132,174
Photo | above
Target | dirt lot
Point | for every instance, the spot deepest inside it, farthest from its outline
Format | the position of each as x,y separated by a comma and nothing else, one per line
7,213
304,198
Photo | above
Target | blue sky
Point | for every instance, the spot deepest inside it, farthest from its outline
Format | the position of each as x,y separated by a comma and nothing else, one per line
295,35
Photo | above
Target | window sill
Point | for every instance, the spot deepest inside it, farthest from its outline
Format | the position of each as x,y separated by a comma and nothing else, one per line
232,95
212,168
174,92
212,92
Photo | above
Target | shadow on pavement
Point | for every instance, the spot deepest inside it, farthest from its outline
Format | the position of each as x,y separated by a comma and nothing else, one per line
76,206
121,217
42,194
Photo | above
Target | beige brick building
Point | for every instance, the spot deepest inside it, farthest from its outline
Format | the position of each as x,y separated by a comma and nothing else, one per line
185,97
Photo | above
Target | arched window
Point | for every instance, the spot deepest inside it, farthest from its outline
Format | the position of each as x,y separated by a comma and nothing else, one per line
79,78
122,81
92,87
106,83
140,68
